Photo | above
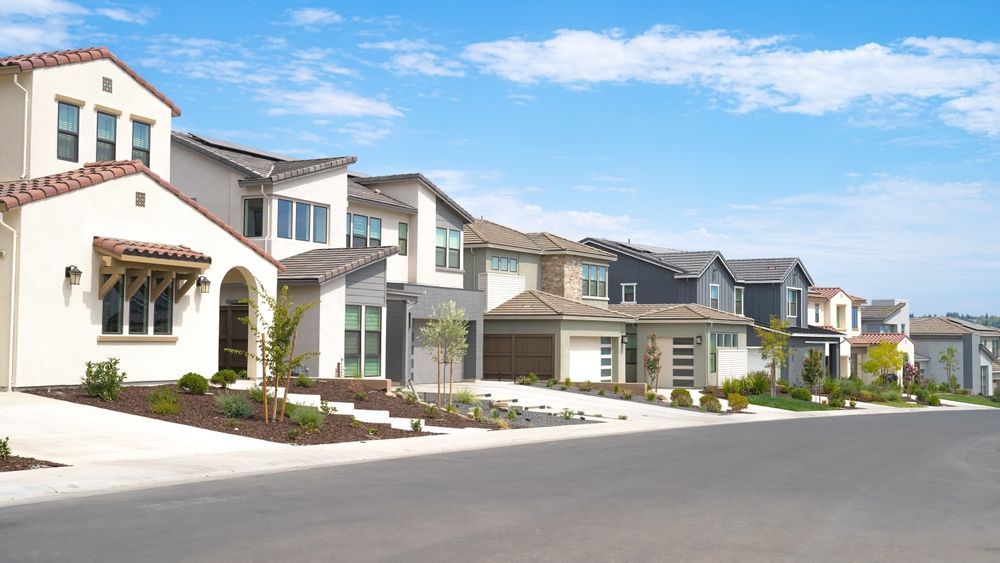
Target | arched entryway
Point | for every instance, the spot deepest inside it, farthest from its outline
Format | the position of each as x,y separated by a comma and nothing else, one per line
237,286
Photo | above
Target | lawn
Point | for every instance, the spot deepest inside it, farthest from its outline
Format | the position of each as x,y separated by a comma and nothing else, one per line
971,399
899,404
786,403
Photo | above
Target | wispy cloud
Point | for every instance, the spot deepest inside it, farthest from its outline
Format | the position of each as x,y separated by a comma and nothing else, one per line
402,45
521,99
365,134
602,189
327,100
425,63
38,25
312,17
959,77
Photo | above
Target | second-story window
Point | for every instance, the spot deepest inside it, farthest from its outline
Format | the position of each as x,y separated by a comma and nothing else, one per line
253,217
855,318
374,232
793,303
504,264
404,233
363,231
107,125
140,141
595,280
284,218
302,220
303,211
68,135
815,313
319,223
628,293
448,248
738,300
713,295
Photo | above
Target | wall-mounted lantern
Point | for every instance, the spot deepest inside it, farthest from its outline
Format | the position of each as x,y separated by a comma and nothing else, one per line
73,275
697,340
203,284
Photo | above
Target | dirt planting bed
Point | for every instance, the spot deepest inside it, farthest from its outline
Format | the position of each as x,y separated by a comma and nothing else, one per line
18,463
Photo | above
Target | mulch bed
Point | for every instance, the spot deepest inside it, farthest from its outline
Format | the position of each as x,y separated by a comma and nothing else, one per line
397,406
18,463
202,412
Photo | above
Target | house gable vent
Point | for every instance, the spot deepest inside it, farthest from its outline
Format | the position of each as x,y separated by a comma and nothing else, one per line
140,199
106,84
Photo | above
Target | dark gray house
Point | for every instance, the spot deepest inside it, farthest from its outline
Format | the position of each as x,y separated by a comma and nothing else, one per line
779,287
645,274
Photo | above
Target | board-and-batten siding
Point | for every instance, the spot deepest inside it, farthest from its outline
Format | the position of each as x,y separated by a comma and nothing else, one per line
726,286
655,284
761,300
367,286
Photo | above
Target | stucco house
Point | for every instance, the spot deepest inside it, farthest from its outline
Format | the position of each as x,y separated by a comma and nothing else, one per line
834,308
976,346
886,315
861,344
103,259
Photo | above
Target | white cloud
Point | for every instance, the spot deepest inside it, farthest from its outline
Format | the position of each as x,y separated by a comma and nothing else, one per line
424,62
40,8
520,99
312,17
402,45
136,16
327,100
766,72
41,25
365,134
451,180
586,188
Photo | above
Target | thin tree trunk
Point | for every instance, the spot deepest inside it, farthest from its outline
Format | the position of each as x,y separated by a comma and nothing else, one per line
437,367
288,378
263,377
774,384
451,381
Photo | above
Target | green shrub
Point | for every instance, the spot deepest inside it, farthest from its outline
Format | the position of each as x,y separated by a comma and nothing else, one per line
224,378
303,380
854,404
193,383
452,409
355,423
892,396
494,413
164,401
501,423
836,400
410,397
293,433
931,387
550,382
921,394
103,380
626,394
783,386
601,392
801,393
430,411
830,385
737,402
709,403
242,374
568,382
466,397
361,396
650,396
165,407
934,400
616,389
532,378
757,383
416,425
234,406
731,386
866,396
325,408
256,394
372,430
309,418
477,413
567,414
522,380
585,386
511,414
5,449
681,398
563,388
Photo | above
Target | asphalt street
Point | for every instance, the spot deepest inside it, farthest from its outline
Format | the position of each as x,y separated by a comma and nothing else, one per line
905,487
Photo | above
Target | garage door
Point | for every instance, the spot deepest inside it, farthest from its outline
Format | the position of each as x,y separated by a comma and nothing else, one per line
506,356
590,358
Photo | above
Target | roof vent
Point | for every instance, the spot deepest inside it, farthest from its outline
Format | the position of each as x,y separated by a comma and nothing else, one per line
378,191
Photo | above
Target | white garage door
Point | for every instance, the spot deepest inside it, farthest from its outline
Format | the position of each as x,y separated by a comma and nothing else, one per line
590,358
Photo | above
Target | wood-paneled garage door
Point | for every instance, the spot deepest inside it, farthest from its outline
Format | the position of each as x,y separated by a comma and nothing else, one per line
506,356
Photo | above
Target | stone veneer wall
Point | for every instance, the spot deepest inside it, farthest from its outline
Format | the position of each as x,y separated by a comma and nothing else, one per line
561,276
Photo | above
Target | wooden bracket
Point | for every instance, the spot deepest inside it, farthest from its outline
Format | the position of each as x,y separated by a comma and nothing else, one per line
165,279
189,280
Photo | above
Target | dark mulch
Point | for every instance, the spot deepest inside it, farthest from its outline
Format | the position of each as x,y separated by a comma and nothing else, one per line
397,406
202,412
18,463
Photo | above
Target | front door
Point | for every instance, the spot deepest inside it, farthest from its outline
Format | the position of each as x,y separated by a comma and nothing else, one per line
233,335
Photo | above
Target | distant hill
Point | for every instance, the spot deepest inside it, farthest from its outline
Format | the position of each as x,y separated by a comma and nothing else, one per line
987,319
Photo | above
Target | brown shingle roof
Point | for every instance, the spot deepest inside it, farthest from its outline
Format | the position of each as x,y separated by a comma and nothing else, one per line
880,312
678,312
926,326
324,264
16,194
538,304
869,338
58,58
488,233
121,248
549,242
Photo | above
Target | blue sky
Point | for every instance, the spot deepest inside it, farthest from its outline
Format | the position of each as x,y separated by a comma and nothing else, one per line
861,138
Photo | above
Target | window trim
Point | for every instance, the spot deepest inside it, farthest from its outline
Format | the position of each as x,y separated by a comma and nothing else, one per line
597,280
742,300
291,219
326,224
634,287
402,237
718,296
448,249
74,134
114,137
798,301
142,151
296,217
246,202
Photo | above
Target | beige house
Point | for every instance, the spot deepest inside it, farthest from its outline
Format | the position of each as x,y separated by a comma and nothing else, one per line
860,345
835,309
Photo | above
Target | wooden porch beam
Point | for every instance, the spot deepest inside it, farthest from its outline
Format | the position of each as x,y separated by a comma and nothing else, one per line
189,280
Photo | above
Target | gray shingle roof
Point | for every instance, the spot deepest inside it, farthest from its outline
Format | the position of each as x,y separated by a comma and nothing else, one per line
375,180
364,194
324,264
880,312
765,270
682,263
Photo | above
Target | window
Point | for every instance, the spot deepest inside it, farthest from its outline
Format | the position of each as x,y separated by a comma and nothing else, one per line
106,135
404,233
253,217
738,300
984,380
628,293
319,223
375,232
713,296
793,302
448,248
595,280
138,310
352,341
816,313
302,213
359,231
855,317
716,341
112,307
606,358
373,341
495,263
284,218
841,314
140,141
68,133
163,311
503,264
513,265
363,348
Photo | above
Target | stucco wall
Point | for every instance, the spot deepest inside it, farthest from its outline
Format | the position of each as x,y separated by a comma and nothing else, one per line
666,332
12,123
397,266
478,261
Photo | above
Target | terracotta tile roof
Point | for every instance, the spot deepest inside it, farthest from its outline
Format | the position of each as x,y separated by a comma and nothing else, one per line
880,312
364,194
324,264
870,338
16,194
677,312
375,180
538,304
829,292
58,58
488,233
121,248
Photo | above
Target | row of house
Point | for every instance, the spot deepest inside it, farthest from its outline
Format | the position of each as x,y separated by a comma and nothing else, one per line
122,237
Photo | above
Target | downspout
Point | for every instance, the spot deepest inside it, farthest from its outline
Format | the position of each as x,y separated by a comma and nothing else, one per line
11,380
266,232
24,159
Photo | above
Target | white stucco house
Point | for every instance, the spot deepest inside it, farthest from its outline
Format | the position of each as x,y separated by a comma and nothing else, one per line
833,308
100,255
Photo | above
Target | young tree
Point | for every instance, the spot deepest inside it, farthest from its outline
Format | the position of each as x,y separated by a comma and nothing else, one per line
884,359
651,360
949,361
774,348
447,332
275,341
813,370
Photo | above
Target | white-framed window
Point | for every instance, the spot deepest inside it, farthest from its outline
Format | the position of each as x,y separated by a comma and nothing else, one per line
141,141
628,293
403,230
713,295
107,135
720,340
793,297
362,341
503,264
816,313
136,314
595,280
448,248
606,355
68,132
738,300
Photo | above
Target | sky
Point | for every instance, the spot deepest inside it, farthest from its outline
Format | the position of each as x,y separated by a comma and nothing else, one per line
862,138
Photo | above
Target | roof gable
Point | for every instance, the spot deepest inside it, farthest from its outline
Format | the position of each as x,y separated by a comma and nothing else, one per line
534,303
880,312
767,270
58,58
418,177
487,233
678,312
324,264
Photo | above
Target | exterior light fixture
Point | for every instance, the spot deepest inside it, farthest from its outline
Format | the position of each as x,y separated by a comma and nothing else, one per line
697,340
203,284
73,275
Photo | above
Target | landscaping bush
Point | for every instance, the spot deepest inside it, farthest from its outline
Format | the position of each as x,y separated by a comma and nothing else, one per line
242,374
466,397
626,394
224,378
567,414
550,382
731,386
303,380
522,380
921,395
430,411
650,396
361,396
715,391
568,382
931,387
710,404
5,452
892,396
511,414
164,401
616,389
256,394
680,398
737,402
854,404
830,385
477,414
585,386
410,397
801,393
416,425
532,378
103,380
309,418
836,400
851,387
601,391
866,396
193,383
933,400
757,383
234,406
783,386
